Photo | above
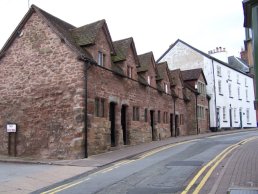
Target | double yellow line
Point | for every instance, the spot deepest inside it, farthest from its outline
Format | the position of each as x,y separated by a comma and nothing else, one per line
116,165
212,164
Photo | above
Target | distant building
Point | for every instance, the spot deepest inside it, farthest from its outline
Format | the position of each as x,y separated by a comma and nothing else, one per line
230,89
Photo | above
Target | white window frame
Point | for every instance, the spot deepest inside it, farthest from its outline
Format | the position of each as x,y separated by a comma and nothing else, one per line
101,57
218,70
219,86
224,113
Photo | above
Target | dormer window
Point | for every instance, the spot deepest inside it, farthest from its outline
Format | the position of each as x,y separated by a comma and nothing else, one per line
166,87
129,71
149,80
101,58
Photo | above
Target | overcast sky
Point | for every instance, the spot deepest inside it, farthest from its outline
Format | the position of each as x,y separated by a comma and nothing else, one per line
154,24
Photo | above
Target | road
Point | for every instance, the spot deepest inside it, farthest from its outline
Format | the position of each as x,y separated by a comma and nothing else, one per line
165,170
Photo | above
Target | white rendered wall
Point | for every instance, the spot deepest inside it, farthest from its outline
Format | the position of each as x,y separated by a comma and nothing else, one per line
183,57
233,102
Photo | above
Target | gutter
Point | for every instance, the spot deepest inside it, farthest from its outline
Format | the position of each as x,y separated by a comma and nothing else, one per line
86,66
215,99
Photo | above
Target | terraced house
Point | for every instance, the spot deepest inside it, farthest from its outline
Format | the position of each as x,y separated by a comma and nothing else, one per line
74,92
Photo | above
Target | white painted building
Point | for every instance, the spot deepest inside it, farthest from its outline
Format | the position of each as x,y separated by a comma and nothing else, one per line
231,91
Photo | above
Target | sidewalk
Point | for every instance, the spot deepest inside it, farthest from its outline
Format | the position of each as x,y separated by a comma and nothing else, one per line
31,174
239,173
120,154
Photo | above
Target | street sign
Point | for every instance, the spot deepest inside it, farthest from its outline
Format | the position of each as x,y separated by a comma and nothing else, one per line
11,128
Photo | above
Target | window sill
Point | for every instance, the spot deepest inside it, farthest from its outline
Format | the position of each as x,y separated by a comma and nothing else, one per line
236,121
231,97
221,94
225,121
249,123
247,101
240,99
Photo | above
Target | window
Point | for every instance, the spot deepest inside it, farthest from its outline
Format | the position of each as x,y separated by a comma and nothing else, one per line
238,93
201,87
229,76
224,113
246,83
166,87
159,116
238,79
129,71
219,85
149,80
136,113
219,71
247,115
200,112
99,107
101,58
146,115
235,118
246,95
229,90
181,119
165,117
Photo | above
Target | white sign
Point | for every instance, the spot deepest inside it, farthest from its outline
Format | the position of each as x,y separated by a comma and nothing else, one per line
11,128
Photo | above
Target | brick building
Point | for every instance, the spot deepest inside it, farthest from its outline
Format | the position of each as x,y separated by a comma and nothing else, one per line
74,92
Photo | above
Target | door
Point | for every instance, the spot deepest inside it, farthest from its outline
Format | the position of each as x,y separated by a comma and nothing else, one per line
218,118
171,124
176,126
123,124
230,116
240,117
112,119
152,124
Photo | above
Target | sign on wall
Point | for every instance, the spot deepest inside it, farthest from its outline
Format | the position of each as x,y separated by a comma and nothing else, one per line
11,128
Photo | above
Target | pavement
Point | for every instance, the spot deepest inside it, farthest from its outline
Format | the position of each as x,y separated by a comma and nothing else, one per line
238,174
58,170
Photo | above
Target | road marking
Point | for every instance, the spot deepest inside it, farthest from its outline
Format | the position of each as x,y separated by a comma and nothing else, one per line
218,158
116,165
164,148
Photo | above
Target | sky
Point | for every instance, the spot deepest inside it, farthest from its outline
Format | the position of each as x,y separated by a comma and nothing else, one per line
154,24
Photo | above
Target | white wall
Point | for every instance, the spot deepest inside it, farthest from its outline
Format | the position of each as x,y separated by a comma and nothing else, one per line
233,102
183,57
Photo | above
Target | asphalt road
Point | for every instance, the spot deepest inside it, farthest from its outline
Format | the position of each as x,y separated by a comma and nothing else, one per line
165,170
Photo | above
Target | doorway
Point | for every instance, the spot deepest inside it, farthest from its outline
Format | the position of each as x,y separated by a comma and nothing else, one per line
152,124
240,118
176,126
171,125
112,119
123,123
230,117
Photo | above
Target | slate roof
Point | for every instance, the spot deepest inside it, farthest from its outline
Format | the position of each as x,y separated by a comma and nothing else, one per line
237,63
192,74
145,61
87,34
121,49
173,74
162,70
201,52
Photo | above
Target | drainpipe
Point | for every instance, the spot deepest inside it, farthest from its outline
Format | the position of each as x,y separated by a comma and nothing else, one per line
196,95
174,100
86,66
